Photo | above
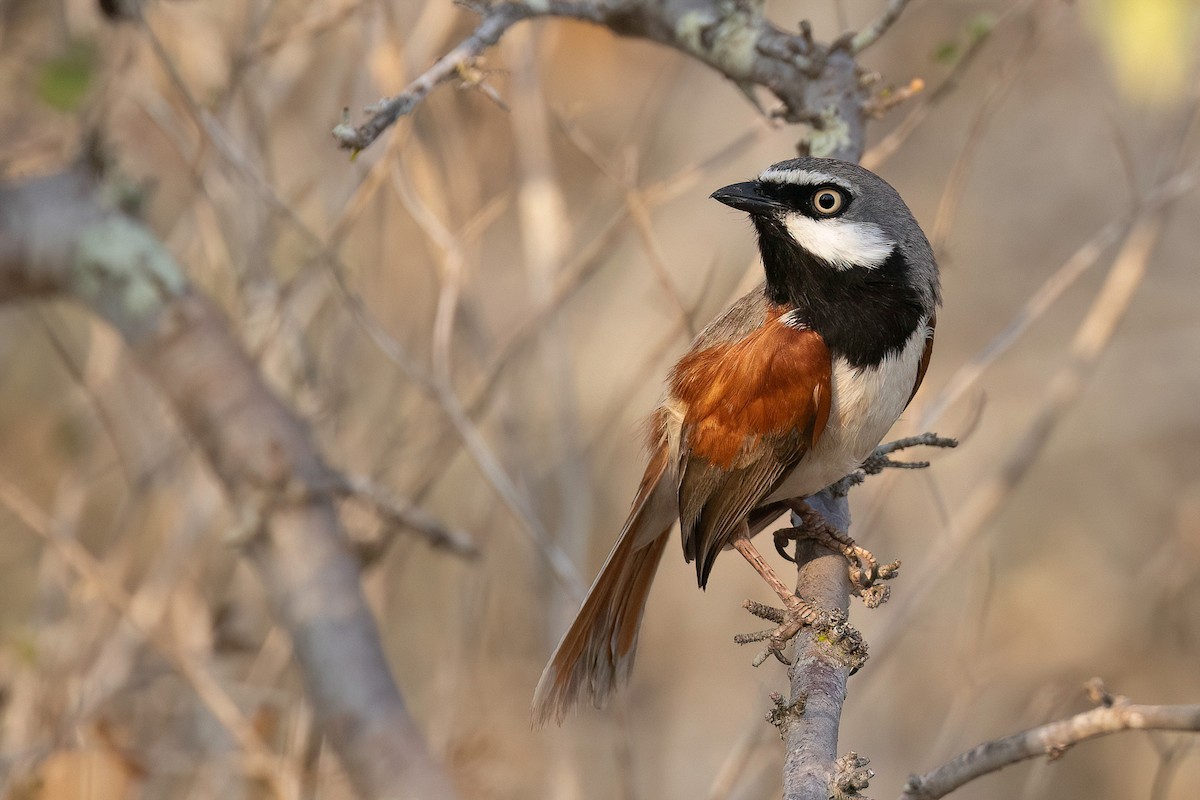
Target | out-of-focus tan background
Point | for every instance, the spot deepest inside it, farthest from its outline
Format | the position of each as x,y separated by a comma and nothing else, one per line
550,260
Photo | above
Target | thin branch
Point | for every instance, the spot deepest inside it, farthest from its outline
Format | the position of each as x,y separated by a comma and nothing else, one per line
1170,759
488,463
870,34
734,39
546,227
398,511
930,100
307,29
586,264
956,181
1091,338
218,136
639,214
1115,714
1079,262
737,762
496,20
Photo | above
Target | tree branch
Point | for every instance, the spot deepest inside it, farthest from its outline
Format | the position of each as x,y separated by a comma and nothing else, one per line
396,511
818,683
825,656
817,84
1052,740
870,34
59,236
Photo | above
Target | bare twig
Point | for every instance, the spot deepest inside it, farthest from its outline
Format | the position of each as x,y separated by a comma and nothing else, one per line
1090,339
889,144
877,28
396,510
546,229
1079,262
956,181
443,392
1113,715
639,214
879,460
305,29
736,762
496,20
735,40
582,267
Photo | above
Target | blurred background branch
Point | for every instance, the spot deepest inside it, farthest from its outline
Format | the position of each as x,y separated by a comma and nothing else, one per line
1113,714
58,238
469,318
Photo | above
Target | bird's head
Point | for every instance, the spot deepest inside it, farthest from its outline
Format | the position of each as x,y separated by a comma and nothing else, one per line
833,222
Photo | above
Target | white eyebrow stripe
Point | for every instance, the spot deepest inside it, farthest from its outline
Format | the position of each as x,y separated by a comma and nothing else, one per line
801,177
841,243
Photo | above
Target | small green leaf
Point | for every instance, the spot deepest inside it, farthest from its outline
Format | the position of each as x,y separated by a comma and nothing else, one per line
64,80
980,26
946,53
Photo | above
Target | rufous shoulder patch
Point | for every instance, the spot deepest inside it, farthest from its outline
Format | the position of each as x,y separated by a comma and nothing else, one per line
772,381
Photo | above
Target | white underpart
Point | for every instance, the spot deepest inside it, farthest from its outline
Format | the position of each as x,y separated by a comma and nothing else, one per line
866,403
803,177
841,243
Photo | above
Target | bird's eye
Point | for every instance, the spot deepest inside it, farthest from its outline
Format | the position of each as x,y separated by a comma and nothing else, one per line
828,201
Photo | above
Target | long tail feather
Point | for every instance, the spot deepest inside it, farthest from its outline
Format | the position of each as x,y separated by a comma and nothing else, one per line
596,653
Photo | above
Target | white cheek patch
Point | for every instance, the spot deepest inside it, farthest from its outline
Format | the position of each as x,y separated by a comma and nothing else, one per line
841,243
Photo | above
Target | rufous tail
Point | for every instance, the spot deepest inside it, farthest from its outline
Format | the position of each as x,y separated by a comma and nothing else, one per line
596,653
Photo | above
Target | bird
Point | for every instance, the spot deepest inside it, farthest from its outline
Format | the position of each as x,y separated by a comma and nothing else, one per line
786,392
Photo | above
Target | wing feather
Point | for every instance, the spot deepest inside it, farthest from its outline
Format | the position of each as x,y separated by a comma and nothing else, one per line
752,408
925,356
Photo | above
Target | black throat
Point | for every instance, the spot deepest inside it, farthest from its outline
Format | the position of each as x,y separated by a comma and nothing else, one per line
864,315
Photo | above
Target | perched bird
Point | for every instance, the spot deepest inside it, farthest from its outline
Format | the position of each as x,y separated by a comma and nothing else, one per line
788,391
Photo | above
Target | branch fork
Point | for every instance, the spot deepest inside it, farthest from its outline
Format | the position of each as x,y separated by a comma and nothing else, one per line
731,36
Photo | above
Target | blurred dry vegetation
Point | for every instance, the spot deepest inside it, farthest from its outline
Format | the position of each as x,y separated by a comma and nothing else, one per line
548,262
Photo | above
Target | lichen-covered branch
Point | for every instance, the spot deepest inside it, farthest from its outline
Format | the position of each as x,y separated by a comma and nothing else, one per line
1113,715
824,657
816,84
818,682
59,237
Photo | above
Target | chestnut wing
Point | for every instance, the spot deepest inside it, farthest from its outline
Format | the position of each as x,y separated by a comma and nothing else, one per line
752,407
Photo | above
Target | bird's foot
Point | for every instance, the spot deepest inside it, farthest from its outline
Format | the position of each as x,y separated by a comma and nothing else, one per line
866,573
834,627
789,621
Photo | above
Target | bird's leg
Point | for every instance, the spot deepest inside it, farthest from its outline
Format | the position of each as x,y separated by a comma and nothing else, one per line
796,614
865,569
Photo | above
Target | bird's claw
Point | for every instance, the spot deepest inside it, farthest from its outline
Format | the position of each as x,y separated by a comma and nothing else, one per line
782,537
865,570
789,621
